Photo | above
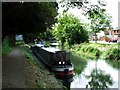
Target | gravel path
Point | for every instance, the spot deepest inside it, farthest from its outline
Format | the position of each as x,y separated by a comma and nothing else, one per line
14,73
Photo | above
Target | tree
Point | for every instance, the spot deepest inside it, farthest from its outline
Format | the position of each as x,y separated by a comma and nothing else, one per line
97,15
100,20
28,17
47,35
70,30
80,4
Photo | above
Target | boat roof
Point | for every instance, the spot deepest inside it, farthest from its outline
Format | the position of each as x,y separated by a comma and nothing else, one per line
39,45
56,44
51,49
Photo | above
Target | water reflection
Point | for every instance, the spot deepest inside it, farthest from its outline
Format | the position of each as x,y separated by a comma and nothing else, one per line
67,84
79,63
114,63
98,79
94,73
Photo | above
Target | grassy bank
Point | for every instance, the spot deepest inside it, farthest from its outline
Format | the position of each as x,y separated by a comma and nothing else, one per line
114,63
6,48
42,78
95,50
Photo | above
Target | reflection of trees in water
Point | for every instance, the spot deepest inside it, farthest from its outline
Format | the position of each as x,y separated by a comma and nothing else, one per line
98,79
66,84
79,63
114,63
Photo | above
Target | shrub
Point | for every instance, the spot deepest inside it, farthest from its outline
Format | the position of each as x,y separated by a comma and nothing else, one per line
90,51
112,53
6,48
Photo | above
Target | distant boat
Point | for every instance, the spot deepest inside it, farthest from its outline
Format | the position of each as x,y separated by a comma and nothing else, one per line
56,59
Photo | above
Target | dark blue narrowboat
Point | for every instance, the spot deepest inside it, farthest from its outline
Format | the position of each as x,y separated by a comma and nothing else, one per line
57,60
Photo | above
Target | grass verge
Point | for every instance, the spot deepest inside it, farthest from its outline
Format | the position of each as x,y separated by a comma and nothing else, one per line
86,50
41,76
6,48
95,50
112,54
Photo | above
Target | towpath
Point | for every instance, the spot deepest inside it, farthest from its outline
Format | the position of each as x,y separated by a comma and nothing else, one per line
14,73
17,72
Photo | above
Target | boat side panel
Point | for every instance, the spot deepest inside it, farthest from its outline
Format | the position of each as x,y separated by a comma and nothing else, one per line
48,56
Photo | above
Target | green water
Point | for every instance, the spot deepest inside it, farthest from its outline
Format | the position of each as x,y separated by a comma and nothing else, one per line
94,73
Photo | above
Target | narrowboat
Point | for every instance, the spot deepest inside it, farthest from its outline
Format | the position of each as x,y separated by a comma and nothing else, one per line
57,60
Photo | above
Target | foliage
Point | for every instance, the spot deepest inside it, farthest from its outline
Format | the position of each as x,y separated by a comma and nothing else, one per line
28,17
20,42
78,62
47,44
99,80
40,72
96,13
112,53
6,48
47,36
29,38
70,30
114,63
90,49
96,50
86,50
80,4
98,17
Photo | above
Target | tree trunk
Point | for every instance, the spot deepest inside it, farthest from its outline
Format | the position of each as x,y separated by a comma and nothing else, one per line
25,38
12,39
95,38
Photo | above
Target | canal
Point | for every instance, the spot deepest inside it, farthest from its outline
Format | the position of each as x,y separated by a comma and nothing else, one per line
94,73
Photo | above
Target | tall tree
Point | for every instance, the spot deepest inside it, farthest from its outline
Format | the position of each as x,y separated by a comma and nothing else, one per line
99,18
28,17
70,30
96,13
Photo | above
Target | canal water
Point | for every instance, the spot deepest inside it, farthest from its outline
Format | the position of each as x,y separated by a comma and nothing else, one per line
88,73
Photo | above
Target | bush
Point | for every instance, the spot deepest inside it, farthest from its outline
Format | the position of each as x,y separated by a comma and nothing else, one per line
6,48
112,53
70,30
89,51
86,50
114,63
95,50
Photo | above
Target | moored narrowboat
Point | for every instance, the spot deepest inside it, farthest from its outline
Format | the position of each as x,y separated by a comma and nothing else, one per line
57,60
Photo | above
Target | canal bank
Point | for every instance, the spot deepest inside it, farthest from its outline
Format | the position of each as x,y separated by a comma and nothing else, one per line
22,70
96,50
45,78
92,68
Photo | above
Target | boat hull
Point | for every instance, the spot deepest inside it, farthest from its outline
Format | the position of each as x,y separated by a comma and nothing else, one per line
63,72
62,69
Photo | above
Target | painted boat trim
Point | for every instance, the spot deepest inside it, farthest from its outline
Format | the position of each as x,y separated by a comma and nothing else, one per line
61,69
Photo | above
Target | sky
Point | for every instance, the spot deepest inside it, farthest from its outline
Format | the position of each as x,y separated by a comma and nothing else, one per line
112,10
